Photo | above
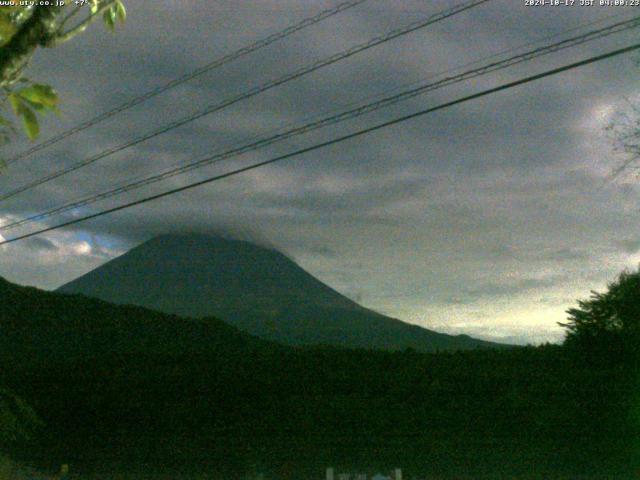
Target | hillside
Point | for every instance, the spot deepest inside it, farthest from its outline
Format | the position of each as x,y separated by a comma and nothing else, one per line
257,289
48,326
124,389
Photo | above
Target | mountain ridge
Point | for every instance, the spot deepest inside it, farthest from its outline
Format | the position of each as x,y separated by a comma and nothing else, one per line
254,288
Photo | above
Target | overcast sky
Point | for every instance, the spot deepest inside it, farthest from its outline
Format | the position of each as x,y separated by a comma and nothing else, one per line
489,218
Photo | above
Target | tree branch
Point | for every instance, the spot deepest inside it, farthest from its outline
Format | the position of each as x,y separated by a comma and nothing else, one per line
74,12
37,31
81,27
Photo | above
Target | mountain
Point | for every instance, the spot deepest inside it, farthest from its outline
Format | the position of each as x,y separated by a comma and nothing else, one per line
257,289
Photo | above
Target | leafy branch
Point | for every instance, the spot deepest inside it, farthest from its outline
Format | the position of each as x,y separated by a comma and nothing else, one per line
111,11
22,31
26,101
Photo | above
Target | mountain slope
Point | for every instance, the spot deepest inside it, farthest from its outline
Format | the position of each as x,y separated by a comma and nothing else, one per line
256,289
46,326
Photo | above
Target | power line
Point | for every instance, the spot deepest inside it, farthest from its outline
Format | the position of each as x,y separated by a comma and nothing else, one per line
334,141
253,92
307,22
615,28
333,119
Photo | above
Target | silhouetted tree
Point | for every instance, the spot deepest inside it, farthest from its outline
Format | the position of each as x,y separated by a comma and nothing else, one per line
608,323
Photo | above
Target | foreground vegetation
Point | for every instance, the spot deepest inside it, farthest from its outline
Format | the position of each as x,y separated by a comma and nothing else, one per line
127,389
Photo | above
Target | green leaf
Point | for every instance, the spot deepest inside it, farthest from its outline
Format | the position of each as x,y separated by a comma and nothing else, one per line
109,17
41,95
30,123
29,119
15,102
121,12
38,107
115,13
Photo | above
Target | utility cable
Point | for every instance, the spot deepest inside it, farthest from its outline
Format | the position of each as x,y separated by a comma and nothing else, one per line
189,76
334,141
333,119
251,93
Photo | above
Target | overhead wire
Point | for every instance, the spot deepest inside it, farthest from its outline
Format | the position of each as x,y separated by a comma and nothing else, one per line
334,141
378,40
333,119
217,63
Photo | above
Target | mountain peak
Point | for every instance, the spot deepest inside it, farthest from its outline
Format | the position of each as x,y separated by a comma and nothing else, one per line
187,274
255,288
249,240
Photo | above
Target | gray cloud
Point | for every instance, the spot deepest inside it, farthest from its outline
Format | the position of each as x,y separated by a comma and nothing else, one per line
629,245
40,244
492,290
478,212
